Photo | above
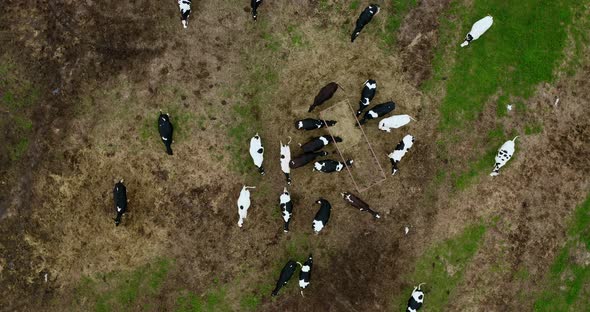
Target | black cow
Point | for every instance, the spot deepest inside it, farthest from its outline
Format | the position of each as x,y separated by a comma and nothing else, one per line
120,197
364,19
325,94
286,209
305,159
305,273
312,124
377,111
254,4
328,165
416,300
322,216
359,204
185,11
368,93
166,130
285,276
318,143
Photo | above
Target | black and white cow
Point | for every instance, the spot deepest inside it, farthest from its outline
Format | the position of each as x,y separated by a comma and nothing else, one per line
504,154
305,159
120,198
416,300
368,93
329,165
400,150
377,111
312,124
254,4
305,273
285,159
185,11
318,143
359,204
286,274
322,216
325,94
478,29
166,131
257,152
286,208
365,17
244,204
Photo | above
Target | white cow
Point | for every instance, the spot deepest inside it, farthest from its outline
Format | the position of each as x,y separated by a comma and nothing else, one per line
400,150
285,159
394,122
504,154
478,29
244,204
257,152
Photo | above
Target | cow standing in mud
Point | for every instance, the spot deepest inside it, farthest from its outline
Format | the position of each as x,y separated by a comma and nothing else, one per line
325,94
286,208
305,273
400,150
166,130
359,204
329,165
312,124
367,95
120,198
257,152
244,204
318,143
322,216
286,274
364,19
254,4
305,159
185,11
504,154
377,111
285,159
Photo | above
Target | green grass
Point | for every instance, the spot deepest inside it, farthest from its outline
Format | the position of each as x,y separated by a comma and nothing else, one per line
183,122
441,268
394,17
354,5
250,303
213,301
568,281
534,128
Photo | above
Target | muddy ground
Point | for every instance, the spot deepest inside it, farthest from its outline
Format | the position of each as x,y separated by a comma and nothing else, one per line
116,65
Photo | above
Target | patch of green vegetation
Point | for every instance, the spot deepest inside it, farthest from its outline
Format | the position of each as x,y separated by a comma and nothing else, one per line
395,16
240,135
296,37
501,109
183,122
568,281
271,42
441,268
17,150
354,5
250,303
323,5
535,128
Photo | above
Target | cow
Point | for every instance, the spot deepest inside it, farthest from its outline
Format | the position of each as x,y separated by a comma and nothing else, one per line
286,274
322,216
365,17
305,159
185,11
312,124
305,273
368,93
244,204
504,154
286,208
416,299
165,128
478,29
325,94
120,198
318,143
396,121
257,152
255,4
285,159
328,165
359,204
400,150
377,111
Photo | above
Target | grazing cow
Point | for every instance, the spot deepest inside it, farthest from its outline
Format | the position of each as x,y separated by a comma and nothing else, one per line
286,208
322,216
328,165
166,130
255,4
400,150
325,94
305,273
377,111
120,197
478,29
359,203
504,154
367,95
312,124
285,276
244,204
396,121
185,11
285,159
416,300
305,159
365,17
257,152
318,143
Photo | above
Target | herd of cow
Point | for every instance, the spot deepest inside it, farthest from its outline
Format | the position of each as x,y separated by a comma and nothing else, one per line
313,149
